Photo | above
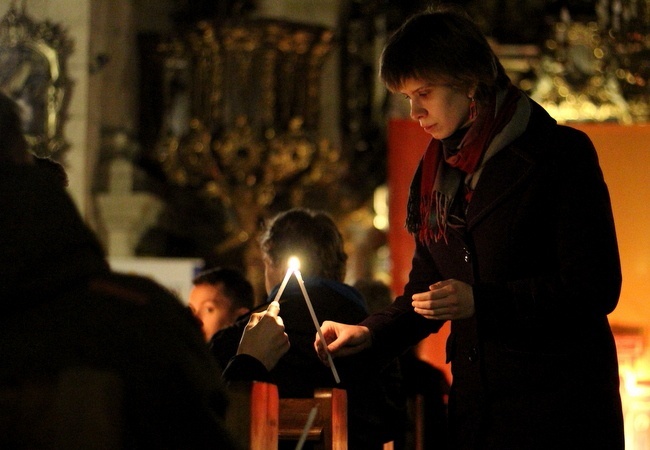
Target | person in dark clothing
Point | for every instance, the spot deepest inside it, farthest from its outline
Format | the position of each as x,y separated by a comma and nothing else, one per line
374,400
263,343
515,245
64,311
90,358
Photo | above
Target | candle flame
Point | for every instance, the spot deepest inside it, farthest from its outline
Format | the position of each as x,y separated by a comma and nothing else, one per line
294,263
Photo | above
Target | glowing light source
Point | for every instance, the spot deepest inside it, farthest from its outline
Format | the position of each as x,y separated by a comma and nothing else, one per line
293,264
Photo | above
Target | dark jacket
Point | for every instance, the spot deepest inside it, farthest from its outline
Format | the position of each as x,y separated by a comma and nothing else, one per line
375,403
536,366
124,352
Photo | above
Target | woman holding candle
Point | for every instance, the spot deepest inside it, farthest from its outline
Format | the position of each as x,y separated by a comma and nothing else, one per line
375,403
515,245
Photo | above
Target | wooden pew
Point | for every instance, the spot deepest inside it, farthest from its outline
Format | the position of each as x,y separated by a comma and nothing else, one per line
329,430
259,420
252,417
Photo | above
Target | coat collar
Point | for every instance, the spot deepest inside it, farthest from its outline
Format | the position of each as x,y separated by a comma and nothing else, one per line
509,168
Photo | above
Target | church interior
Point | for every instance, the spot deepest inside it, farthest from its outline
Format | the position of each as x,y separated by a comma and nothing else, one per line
184,124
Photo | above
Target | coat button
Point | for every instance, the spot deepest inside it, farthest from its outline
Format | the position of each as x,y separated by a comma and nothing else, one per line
473,354
466,255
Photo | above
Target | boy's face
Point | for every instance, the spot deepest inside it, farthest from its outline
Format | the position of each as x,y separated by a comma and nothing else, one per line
212,307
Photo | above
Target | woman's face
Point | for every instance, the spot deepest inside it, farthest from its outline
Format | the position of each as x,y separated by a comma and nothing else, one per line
440,108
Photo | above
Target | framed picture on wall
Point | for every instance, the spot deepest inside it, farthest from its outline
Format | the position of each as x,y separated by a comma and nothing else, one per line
32,72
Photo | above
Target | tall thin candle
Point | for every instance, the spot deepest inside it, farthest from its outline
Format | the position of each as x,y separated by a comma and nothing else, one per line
315,320
305,430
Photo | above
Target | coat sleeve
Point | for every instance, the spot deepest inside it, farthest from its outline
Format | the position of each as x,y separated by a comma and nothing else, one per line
225,342
245,368
398,326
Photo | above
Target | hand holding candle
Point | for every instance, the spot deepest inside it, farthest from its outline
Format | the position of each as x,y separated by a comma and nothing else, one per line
264,337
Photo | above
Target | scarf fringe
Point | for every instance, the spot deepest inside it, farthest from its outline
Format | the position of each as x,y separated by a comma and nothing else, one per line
442,216
425,231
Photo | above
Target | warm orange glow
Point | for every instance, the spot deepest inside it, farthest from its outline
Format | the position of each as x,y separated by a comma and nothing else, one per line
624,155
293,263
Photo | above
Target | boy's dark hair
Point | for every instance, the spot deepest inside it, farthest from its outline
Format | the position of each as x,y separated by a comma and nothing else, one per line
235,285
312,236
442,44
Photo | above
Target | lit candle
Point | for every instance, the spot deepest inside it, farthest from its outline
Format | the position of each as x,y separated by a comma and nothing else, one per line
296,271
293,265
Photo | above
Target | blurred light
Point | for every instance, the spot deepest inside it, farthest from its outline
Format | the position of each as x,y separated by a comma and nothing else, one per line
380,206
294,263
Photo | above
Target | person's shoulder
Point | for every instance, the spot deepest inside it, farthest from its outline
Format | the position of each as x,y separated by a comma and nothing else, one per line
566,131
141,299
136,289
571,147
330,289
224,343
233,331
542,124
544,136
245,368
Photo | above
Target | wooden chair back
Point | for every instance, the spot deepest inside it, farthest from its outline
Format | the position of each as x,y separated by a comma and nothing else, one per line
259,420
252,416
329,429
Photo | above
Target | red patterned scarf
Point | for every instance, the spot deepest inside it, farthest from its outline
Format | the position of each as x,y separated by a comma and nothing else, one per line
433,189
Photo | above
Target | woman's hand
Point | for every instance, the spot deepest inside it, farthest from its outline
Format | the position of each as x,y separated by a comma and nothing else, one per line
445,300
264,337
342,339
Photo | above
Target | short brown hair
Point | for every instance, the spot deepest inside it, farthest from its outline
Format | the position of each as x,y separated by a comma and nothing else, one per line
312,236
442,44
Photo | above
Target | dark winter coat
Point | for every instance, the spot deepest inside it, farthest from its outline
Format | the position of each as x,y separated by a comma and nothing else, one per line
91,358
375,403
536,366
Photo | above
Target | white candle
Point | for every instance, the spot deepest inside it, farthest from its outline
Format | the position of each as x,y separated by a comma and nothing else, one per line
305,430
292,264
315,320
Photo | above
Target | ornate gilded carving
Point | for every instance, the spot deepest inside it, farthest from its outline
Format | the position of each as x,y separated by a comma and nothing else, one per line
598,70
239,153
576,81
241,121
33,72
